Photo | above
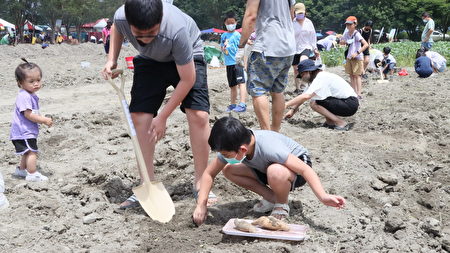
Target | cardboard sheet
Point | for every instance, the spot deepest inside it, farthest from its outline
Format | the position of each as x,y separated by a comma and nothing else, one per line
296,232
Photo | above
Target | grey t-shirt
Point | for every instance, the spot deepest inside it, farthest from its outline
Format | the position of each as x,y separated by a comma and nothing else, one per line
428,26
274,30
271,147
178,39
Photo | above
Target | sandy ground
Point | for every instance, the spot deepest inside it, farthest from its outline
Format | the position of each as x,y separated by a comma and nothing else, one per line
392,167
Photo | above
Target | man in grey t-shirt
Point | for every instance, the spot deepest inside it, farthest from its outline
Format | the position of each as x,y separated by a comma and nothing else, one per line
271,57
427,40
265,162
170,53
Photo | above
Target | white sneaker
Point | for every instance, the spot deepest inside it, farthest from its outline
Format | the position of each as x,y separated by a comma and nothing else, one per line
20,173
3,201
36,177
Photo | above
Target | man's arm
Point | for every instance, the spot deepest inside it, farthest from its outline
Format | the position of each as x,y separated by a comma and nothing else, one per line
248,24
187,80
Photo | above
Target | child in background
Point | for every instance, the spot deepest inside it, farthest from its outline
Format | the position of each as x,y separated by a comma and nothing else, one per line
3,200
229,42
423,65
24,126
265,162
438,61
354,65
388,63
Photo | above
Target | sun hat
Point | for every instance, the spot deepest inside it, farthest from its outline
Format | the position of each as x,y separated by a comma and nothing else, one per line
307,65
299,8
351,20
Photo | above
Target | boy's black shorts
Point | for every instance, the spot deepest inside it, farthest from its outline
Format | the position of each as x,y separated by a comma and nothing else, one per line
340,106
151,79
235,75
299,180
23,146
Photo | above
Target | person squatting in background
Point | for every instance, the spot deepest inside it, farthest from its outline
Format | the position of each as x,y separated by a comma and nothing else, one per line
423,65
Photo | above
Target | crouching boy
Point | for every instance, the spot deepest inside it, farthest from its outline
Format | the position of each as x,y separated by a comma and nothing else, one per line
265,162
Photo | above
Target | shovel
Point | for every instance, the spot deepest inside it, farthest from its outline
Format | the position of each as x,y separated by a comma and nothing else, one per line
152,195
382,80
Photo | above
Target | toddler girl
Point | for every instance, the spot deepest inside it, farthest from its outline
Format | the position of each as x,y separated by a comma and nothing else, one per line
24,126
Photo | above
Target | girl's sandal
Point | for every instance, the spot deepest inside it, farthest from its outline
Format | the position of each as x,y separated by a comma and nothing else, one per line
280,211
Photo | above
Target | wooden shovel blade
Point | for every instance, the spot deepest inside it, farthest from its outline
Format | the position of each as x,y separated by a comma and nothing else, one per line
155,200
383,81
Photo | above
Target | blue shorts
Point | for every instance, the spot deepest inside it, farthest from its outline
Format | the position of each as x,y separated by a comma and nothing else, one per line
427,45
267,74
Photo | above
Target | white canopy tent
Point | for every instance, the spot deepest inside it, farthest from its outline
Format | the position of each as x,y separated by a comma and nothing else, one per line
100,23
6,23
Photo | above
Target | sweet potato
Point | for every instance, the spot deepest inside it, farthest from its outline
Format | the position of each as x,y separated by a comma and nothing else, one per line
271,223
244,226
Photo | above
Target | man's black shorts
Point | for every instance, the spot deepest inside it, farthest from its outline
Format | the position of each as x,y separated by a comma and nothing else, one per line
307,52
298,181
23,146
340,106
235,75
151,79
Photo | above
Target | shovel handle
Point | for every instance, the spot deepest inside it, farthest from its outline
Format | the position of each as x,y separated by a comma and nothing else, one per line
130,125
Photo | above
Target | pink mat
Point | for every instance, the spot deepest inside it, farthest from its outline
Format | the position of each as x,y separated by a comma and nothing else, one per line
296,232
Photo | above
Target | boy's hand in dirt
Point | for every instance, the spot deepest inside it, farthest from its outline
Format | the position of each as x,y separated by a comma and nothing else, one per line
333,200
107,70
199,215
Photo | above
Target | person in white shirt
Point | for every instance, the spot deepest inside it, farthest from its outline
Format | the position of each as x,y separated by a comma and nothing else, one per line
305,39
388,62
438,61
326,43
330,95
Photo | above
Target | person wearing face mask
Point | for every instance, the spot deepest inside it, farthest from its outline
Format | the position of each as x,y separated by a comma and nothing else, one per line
266,162
229,42
427,40
329,94
305,39
170,53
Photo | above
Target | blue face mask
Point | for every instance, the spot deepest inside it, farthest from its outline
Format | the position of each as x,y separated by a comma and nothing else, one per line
231,27
300,16
425,21
233,160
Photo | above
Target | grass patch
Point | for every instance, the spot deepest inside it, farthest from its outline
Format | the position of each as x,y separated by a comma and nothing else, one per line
403,52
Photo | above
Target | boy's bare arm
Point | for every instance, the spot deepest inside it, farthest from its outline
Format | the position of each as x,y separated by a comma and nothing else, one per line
115,44
187,80
206,182
299,167
37,118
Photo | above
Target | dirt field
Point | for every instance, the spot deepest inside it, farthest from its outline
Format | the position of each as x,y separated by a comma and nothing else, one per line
392,167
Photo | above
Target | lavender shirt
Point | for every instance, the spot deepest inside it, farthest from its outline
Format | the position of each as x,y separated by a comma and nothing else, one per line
355,46
21,127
